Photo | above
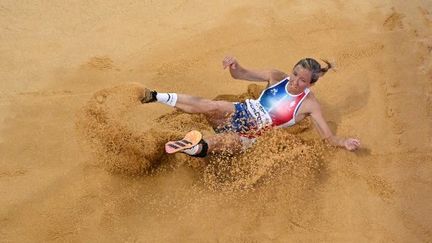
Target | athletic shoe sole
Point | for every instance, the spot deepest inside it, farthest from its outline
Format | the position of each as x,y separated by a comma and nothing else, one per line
191,139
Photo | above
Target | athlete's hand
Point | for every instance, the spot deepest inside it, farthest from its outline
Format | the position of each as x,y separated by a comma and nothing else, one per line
351,144
230,62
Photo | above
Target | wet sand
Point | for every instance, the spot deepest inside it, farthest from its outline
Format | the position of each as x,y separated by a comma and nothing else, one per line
68,175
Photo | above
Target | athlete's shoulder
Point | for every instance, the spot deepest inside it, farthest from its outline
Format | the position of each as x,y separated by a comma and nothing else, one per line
311,96
276,76
311,102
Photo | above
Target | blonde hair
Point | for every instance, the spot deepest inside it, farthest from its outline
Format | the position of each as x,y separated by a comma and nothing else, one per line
313,66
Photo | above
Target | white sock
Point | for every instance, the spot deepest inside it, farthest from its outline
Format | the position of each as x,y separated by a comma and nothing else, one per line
194,150
167,98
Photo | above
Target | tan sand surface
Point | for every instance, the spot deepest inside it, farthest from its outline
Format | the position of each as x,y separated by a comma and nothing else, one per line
81,161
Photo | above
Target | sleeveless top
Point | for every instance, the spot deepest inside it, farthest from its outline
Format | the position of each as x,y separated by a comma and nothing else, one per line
276,107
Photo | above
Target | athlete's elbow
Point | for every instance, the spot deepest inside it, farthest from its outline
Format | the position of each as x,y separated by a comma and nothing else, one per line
235,75
238,73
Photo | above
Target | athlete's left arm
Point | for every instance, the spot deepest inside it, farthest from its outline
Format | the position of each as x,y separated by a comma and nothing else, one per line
321,125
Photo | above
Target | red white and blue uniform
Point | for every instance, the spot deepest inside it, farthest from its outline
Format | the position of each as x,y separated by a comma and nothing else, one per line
275,107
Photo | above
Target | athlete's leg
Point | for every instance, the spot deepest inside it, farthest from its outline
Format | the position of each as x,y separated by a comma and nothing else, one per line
215,111
194,145
224,142
229,143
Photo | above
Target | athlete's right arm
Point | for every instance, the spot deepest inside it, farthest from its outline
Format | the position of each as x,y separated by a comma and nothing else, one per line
239,72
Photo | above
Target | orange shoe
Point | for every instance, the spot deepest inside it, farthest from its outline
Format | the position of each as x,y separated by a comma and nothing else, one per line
191,139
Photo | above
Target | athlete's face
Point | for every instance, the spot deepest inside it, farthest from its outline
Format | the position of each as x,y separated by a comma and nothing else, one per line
300,79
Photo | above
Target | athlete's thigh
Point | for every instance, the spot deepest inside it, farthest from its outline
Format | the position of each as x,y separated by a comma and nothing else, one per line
221,112
225,142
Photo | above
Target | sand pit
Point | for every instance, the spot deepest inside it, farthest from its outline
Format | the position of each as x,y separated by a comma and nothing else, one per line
81,158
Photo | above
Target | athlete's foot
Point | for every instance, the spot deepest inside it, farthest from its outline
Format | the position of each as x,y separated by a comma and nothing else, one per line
191,139
149,96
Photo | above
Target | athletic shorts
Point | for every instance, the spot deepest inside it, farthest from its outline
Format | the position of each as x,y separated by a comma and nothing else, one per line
242,123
